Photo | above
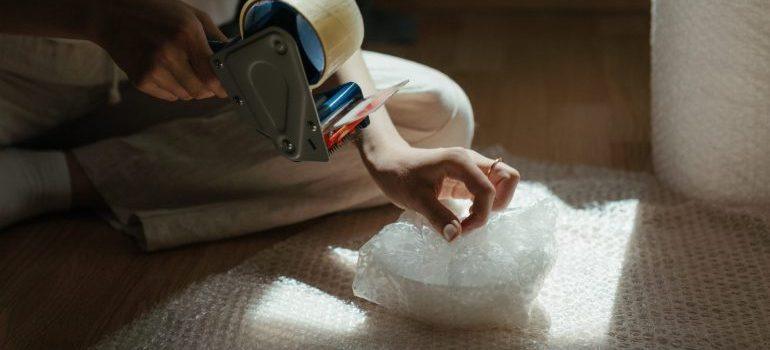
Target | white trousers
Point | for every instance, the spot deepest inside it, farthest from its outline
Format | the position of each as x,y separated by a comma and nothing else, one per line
209,176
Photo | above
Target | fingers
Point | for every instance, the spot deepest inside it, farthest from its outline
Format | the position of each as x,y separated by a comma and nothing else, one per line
201,53
156,91
203,69
491,188
183,67
200,63
192,73
503,176
462,167
443,220
165,80
452,188
185,75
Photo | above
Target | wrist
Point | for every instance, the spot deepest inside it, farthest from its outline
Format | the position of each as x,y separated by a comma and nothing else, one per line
377,151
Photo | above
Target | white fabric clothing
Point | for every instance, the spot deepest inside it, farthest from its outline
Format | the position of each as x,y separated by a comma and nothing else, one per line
33,183
211,176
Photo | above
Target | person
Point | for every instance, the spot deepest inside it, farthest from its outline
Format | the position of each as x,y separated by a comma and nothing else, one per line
210,176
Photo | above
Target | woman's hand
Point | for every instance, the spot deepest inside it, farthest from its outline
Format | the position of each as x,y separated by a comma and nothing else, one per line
417,178
162,46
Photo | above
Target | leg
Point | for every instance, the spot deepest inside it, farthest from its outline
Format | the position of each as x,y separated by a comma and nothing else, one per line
43,83
213,177
432,110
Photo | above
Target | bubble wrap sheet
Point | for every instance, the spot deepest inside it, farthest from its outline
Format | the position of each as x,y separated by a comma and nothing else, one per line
710,108
488,278
638,267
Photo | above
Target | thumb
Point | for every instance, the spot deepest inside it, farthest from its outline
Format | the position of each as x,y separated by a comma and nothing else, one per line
441,218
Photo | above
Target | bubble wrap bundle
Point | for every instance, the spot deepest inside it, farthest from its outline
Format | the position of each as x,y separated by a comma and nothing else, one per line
637,267
487,278
711,98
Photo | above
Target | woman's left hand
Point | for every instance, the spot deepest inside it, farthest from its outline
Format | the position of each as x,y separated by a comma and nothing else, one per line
417,178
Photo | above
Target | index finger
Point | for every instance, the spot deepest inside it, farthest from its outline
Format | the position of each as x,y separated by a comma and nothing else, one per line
203,70
199,59
479,185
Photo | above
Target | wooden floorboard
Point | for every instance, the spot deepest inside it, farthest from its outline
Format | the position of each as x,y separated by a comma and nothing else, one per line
565,87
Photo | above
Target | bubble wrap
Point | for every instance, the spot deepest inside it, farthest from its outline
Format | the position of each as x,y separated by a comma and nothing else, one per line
711,98
638,267
486,278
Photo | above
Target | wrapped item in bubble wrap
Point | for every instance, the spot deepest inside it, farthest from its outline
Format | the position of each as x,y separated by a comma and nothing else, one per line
487,278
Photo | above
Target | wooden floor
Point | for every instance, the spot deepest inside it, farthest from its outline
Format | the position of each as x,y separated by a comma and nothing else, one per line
566,87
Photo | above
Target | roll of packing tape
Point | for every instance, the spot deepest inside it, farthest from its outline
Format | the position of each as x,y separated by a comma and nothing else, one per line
711,99
327,32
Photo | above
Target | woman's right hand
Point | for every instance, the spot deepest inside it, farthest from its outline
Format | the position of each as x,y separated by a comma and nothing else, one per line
162,46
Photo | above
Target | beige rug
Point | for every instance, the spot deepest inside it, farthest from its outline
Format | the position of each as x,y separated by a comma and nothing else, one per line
638,266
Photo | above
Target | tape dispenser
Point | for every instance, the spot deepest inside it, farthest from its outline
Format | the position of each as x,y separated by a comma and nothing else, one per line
268,72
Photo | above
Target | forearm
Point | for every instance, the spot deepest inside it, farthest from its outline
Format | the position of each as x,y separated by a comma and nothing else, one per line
75,19
381,135
417,178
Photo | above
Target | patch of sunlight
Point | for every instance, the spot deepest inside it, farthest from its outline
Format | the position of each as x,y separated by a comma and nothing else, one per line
580,292
290,304
344,257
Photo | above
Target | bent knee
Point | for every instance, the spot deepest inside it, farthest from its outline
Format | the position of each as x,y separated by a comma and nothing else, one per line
456,108
435,112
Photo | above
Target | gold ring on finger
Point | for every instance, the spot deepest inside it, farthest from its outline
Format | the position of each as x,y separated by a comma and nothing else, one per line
492,167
